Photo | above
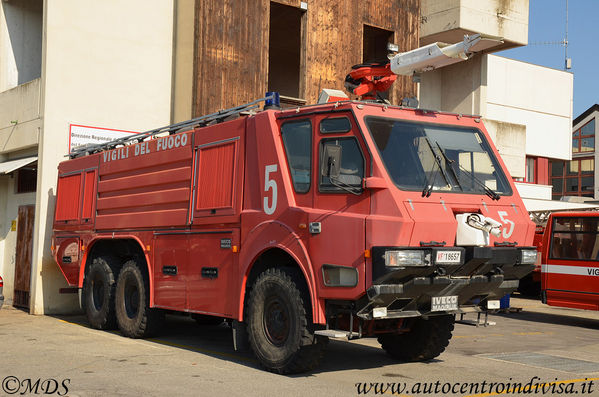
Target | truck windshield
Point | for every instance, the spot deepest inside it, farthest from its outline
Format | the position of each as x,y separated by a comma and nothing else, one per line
434,157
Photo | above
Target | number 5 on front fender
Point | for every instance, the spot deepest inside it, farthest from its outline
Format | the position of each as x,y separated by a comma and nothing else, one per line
268,185
503,217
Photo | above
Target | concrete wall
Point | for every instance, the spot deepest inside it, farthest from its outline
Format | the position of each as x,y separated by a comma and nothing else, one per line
534,191
509,139
105,63
183,60
20,121
527,108
459,88
449,20
20,42
535,96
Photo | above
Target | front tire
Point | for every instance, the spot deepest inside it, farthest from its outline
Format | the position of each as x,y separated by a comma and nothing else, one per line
99,291
279,323
133,314
426,339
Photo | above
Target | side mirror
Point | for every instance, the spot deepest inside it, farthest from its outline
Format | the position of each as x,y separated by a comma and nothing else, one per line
330,165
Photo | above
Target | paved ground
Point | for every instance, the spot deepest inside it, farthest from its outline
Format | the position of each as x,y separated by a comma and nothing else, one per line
559,346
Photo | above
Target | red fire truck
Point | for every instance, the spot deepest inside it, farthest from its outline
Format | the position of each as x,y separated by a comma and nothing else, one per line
351,219
570,257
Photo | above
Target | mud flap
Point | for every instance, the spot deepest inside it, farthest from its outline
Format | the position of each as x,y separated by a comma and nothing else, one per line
240,336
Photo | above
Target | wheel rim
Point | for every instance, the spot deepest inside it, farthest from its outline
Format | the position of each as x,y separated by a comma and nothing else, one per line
97,292
131,298
276,321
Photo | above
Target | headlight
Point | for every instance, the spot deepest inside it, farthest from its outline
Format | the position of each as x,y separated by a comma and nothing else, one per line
528,257
406,258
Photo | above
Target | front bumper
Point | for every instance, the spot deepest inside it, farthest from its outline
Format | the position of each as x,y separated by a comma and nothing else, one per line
483,273
413,298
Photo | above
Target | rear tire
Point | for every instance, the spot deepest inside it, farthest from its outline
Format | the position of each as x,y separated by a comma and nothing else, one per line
99,291
279,323
426,339
133,314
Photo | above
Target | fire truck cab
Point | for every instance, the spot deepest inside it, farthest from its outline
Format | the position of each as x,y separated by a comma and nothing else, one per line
352,219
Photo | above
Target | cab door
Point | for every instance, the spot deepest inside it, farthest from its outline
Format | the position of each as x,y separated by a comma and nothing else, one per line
340,206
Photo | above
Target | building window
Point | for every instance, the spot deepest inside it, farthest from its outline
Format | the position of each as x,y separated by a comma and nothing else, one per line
375,42
531,170
374,47
583,139
26,179
284,54
573,178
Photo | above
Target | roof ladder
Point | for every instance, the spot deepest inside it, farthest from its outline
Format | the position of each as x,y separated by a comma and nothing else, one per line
182,126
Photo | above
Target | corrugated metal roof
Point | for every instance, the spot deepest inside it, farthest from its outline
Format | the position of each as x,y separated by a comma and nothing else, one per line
9,166
554,205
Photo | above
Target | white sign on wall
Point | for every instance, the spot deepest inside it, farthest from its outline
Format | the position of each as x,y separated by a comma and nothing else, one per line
82,135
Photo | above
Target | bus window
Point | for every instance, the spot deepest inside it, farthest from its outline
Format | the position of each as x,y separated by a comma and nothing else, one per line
575,238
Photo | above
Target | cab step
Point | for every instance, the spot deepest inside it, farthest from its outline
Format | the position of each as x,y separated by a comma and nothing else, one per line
332,333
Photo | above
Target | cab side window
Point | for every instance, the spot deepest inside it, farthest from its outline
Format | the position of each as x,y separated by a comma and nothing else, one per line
297,139
351,169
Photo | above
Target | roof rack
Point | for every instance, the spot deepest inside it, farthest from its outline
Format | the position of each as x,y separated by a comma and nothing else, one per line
182,126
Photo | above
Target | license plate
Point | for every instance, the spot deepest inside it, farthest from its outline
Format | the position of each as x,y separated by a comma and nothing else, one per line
444,303
448,257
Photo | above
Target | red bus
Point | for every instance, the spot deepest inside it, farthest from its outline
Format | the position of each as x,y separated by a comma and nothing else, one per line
570,257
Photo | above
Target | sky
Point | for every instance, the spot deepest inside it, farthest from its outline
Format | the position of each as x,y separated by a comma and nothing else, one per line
547,24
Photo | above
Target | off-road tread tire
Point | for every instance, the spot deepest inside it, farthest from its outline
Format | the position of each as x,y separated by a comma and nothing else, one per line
303,349
147,321
105,318
426,339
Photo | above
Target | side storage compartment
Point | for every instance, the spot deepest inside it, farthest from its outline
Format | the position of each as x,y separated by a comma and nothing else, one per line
74,213
76,197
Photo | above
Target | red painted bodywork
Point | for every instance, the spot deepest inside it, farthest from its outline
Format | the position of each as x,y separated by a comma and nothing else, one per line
562,286
202,205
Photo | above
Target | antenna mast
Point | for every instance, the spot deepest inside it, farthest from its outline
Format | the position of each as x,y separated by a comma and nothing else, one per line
567,61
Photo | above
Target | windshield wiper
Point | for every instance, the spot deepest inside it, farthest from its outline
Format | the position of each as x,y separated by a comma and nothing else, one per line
488,191
429,188
450,161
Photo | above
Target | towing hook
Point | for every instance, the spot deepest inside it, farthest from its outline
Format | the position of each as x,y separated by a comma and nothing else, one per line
441,271
485,224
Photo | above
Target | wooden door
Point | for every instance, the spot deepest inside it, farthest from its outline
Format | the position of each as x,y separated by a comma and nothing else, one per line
23,255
